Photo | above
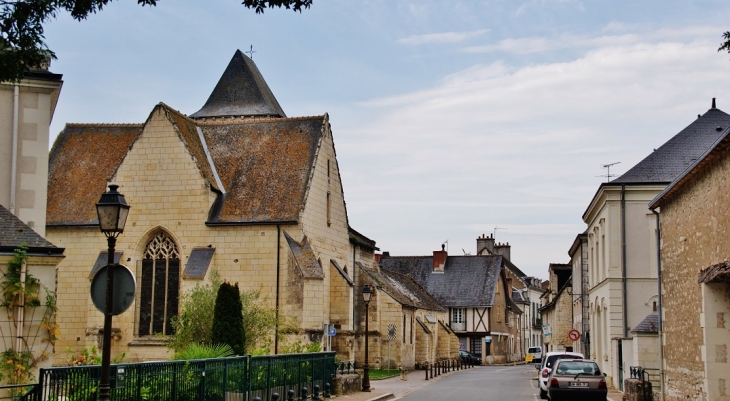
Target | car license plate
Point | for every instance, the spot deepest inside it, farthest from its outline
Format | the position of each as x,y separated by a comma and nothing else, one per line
578,384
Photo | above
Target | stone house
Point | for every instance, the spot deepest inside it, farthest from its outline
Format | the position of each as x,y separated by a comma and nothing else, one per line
26,110
622,245
557,312
531,318
578,253
695,275
407,327
478,295
526,294
238,187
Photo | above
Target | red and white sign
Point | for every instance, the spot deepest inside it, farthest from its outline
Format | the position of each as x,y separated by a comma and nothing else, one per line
574,335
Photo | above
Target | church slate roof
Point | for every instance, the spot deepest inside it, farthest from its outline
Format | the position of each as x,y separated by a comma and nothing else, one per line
673,157
402,288
467,281
241,92
304,257
14,233
81,161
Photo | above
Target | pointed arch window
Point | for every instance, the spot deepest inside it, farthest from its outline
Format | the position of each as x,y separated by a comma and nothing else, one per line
160,286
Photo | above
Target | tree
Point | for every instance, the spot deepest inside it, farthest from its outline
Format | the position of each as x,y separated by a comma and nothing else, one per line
726,44
22,44
228,318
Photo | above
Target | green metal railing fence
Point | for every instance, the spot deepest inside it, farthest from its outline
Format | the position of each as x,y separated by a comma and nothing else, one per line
223,379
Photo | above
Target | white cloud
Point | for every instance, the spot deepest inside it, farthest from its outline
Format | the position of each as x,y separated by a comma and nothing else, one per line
537,44
525,145
442,37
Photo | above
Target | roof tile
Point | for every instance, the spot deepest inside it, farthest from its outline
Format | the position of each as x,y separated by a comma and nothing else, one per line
264,165
241,91
14,233
466,280
673,157
83,158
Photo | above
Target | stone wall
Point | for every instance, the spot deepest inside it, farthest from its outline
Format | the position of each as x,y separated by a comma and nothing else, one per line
340,299
637,390
346,384
694,230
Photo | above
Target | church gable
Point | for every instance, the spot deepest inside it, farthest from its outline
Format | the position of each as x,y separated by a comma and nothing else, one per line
324,217
193,139
86,157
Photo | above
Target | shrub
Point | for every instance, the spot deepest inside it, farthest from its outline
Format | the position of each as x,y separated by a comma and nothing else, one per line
193,323
201,351
228,318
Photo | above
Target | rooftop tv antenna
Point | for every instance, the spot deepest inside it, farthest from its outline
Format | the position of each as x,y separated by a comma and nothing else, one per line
446,244
494,234
251,52
465,252
608,171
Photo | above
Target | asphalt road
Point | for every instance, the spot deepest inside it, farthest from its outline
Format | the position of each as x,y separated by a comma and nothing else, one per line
486,383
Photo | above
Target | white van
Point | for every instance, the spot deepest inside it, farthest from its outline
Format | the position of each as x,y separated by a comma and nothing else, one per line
536,353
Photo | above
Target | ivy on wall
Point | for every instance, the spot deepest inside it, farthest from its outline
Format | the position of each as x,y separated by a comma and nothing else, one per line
30,331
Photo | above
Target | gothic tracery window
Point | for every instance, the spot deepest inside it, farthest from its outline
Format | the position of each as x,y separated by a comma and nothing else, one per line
160,286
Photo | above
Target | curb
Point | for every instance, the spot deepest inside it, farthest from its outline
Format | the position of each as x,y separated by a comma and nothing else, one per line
383,397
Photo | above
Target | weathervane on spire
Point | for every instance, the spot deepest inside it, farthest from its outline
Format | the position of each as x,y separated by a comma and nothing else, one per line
250,53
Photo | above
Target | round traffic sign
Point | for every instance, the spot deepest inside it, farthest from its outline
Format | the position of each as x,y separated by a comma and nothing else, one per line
124,288
574,335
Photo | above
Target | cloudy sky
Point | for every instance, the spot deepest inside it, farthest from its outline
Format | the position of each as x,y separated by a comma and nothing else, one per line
451,119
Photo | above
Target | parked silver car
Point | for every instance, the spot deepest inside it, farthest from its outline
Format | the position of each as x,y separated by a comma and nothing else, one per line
546,367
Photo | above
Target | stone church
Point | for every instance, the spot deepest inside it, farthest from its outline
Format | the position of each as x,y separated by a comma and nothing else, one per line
237,186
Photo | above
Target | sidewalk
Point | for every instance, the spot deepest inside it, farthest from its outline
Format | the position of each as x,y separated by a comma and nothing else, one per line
615,395
394,388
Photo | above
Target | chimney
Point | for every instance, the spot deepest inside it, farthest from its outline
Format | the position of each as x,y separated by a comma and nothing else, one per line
503,249
485,243
439,259
713,103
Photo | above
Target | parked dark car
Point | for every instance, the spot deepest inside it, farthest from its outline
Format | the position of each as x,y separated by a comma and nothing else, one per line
469,358
577,379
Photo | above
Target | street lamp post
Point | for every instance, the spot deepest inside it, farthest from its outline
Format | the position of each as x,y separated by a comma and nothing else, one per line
366,294
112,210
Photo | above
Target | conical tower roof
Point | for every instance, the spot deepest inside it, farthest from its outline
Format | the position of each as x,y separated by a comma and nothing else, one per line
241,92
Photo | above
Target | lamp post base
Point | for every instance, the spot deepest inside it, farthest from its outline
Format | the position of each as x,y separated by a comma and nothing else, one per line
366,379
